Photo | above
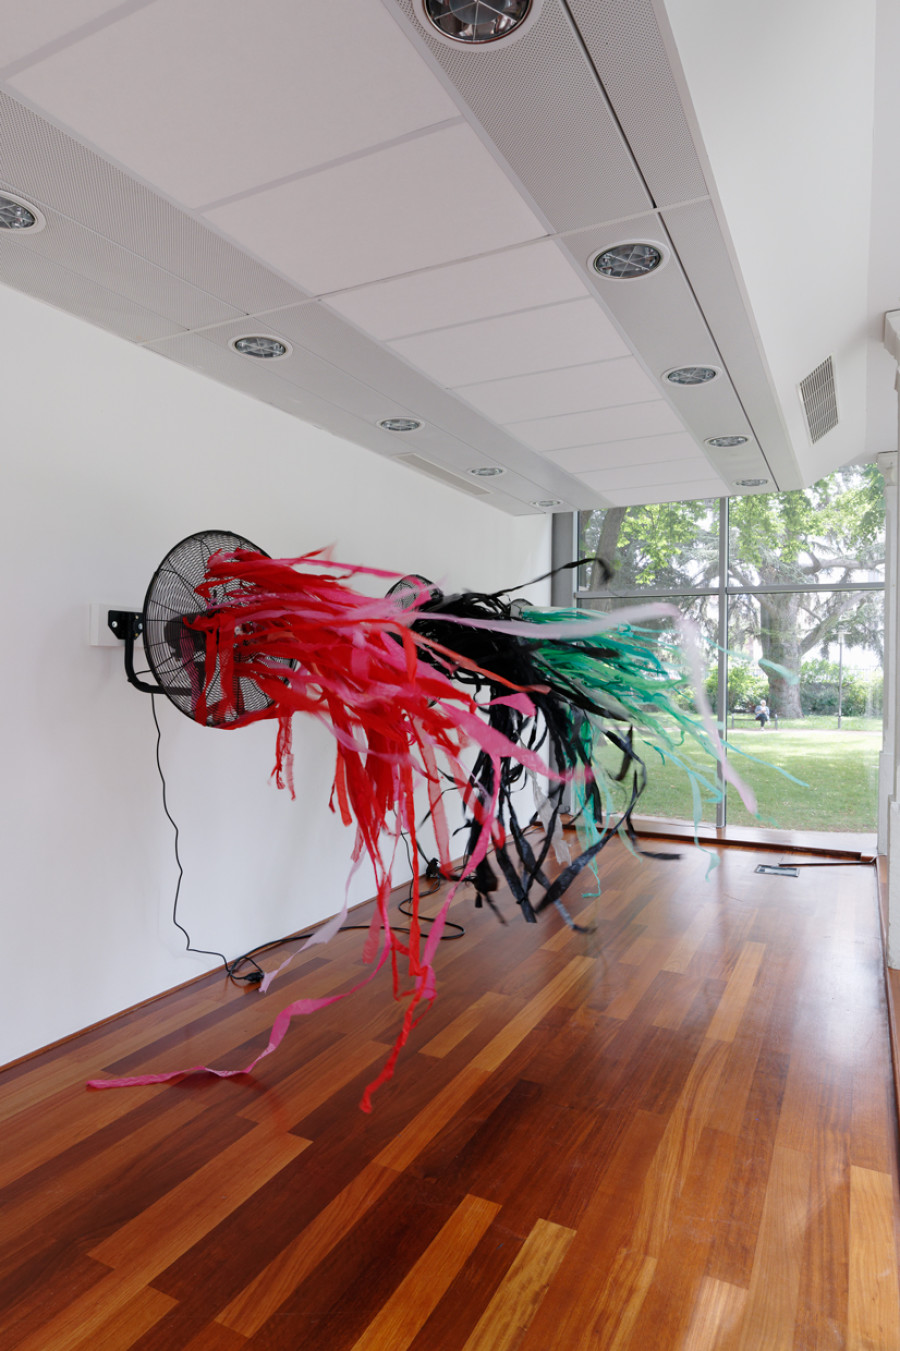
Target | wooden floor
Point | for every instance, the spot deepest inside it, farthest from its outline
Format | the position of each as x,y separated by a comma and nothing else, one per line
678,1132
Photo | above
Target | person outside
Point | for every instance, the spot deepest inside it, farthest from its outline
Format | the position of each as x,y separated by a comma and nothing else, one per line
761,714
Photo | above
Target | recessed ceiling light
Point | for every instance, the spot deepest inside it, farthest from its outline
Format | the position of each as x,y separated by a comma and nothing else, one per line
476,21
750,482
487,471
400,424
261,346
691,375
18,215
726,442
624,261
548,502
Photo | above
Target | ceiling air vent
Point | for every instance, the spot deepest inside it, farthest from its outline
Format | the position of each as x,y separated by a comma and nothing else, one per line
819,401
441,474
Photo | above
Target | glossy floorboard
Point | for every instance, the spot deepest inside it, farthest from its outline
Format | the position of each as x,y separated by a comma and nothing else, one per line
677,1132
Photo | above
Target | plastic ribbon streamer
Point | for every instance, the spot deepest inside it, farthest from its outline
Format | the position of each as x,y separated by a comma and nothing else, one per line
296,631
594,682
404,683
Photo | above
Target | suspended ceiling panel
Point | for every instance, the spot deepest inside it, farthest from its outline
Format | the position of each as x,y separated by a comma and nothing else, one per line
26,29
539,102
533,276
600,384
685,489
659,477
649,452
602,425
416,204
416,220
533,340
628,52
242,102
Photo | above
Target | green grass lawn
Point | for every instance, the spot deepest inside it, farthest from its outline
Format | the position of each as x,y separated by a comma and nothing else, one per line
840,770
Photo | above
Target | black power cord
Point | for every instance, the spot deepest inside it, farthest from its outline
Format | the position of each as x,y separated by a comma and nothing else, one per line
250,978
256,974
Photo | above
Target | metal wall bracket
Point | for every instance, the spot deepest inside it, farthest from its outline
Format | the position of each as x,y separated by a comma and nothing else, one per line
128,625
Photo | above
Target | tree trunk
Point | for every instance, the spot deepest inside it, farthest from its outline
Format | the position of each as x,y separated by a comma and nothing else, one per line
606,547
780,641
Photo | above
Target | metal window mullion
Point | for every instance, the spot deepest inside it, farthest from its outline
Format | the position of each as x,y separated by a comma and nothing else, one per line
646,591
563,548
722,684
776,588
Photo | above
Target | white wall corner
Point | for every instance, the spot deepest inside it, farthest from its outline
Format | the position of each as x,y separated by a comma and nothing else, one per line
892,333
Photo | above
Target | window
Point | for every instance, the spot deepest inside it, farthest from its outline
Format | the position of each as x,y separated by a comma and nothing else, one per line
787,590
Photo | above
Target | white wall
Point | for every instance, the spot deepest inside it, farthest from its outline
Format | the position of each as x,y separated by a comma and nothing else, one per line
111,455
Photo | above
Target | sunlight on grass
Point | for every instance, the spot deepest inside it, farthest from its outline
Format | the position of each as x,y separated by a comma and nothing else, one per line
840,769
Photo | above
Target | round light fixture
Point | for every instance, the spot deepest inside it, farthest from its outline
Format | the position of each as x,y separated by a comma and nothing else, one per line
750,482
487,471
18,215
548,502
624,261
261,346
475,22
400,424
691,375
726,442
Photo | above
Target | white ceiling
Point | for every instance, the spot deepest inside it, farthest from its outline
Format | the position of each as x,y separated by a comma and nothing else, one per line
417,220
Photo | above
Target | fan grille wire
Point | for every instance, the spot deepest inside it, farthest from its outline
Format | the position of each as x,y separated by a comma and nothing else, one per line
176,653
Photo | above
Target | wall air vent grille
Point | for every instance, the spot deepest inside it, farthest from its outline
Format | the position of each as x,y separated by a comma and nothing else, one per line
819,400
441,474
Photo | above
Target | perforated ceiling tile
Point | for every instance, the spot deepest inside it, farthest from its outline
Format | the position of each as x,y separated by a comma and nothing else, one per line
249,96
643,455
733,463
327,334
658,312
307,370
579,388
695,231
515,344
627,48
53,169
515,279
540,102
27,271
536,479
594,428
314,230
98,259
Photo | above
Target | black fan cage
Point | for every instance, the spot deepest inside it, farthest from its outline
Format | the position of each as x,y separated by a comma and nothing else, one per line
176,652
410,589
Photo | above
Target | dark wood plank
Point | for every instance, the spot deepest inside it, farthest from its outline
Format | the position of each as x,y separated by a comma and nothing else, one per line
677,1131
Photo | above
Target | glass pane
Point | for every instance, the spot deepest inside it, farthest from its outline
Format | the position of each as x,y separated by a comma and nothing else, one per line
671,546
831,532
824,725
671,757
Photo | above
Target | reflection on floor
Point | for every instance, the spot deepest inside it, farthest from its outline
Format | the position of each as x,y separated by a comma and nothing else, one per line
676,1132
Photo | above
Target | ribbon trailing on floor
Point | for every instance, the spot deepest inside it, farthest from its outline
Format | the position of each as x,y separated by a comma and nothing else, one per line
405,683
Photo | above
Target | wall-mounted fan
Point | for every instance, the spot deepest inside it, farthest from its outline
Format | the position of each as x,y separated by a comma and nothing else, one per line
176,652
414,588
